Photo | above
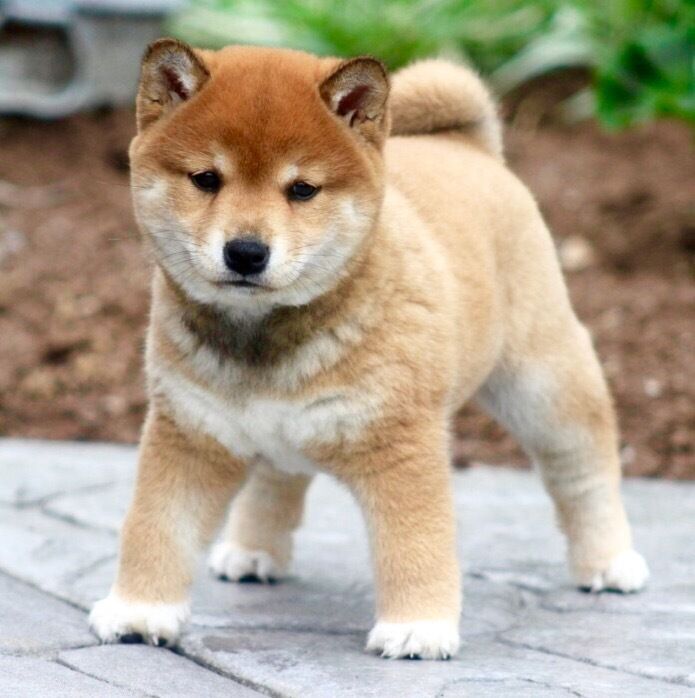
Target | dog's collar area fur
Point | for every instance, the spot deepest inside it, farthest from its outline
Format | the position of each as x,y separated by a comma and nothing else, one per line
266,340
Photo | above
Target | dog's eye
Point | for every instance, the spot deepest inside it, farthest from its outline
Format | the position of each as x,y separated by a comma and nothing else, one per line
208,181
301,191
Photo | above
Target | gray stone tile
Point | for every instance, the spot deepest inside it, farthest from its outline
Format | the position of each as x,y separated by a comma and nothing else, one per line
50,554
104,508
32,622
34,470
299,605
661,646
525,630
23,677
153,671
307,665
660,597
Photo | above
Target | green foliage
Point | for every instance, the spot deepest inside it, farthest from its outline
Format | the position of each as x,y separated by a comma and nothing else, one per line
644,59
641,52
399,31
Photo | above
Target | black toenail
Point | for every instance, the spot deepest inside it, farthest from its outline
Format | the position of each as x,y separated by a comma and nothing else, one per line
161,642
131,638
250,579
223,578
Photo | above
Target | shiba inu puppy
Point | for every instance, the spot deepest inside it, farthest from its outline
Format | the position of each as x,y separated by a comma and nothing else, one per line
343,260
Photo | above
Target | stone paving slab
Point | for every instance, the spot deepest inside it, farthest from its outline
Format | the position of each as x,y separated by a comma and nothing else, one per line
655,645
27,676
152,672
51,554
310,665
57,467
525,630
25,631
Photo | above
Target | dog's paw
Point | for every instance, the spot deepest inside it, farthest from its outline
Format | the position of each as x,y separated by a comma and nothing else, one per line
627,572
115,620
231,562
419,639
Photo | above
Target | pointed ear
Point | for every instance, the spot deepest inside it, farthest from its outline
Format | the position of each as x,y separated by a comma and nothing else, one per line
171,73
357,91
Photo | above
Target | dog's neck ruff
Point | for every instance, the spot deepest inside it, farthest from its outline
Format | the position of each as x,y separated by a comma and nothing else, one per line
264,341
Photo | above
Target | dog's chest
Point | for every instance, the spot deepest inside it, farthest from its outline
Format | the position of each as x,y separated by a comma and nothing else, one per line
257,427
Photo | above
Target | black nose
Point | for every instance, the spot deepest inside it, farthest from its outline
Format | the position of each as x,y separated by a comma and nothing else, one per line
246,257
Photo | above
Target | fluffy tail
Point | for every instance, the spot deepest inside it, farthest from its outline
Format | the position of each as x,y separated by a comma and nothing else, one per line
435,95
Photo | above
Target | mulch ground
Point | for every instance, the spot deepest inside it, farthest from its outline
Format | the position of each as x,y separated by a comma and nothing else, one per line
74,279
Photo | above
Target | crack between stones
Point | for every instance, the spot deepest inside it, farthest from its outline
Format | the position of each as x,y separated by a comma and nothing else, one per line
35,586
485,577
305,629
546,606
72,521
75,575
47,499
135,692
247,683
455,682
590,662
47,654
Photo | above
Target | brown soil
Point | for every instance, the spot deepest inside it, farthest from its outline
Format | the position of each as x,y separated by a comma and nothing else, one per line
73,279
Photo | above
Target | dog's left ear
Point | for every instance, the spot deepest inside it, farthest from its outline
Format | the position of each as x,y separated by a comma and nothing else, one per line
357,91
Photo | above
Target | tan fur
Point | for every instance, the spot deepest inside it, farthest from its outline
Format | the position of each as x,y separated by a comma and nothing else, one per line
439,283
178,473
433,96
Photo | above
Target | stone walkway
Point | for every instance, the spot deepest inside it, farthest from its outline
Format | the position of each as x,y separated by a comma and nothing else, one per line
525,631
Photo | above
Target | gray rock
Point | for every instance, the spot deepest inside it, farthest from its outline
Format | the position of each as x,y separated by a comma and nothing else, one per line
308,665
32,622
104,508
34,470
39,678
153,671
50,554
659,645
525,630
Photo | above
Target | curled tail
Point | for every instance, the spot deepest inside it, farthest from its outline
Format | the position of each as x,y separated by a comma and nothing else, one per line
435,95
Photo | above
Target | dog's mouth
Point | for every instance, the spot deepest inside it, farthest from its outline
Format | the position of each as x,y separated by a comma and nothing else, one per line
243,283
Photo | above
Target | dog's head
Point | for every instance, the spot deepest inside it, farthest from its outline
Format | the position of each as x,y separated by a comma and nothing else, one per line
257,173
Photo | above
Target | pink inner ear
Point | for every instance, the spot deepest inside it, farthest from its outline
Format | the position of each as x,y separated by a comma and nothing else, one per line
174,82
353,100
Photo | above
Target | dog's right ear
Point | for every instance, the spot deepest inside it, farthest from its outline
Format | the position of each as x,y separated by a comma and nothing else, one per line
171,73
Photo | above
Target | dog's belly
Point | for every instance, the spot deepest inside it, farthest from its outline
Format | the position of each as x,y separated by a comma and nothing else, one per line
278,431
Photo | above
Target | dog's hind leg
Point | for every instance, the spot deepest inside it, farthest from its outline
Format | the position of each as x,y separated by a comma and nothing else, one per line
550,392
256,544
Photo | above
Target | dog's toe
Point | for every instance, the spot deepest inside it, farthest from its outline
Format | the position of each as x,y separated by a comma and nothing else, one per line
115,620
626,573
421,639
230,562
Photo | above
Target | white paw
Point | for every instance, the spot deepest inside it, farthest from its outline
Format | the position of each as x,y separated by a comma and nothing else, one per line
229,561
627,572
426,639
115,620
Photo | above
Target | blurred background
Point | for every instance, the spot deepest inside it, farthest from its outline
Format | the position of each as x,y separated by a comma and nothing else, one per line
599,104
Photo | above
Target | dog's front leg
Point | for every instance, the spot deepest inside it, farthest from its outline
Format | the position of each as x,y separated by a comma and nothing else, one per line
184,483
405,493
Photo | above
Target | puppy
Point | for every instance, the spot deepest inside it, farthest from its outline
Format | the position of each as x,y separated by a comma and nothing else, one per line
342,262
